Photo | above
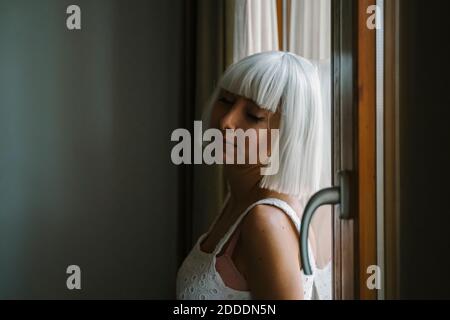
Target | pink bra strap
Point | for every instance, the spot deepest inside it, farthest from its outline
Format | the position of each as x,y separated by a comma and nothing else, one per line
230,248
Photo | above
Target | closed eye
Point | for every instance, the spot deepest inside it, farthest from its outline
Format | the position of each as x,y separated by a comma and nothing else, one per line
254,118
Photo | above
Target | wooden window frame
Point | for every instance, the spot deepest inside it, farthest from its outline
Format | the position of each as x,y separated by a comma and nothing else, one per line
354,111
391,147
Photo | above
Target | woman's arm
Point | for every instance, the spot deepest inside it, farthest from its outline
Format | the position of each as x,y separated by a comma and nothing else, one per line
271,254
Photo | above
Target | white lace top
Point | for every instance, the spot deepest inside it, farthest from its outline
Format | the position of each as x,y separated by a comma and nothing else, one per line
198,279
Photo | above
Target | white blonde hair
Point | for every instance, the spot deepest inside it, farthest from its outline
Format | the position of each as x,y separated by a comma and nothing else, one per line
284,82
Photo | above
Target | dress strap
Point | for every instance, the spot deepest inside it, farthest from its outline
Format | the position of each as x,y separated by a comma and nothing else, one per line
285,207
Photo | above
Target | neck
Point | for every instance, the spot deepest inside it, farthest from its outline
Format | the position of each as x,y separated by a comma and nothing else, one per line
244,184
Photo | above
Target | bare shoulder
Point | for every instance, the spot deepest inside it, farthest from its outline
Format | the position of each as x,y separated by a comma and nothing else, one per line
266,223
270,250
266,218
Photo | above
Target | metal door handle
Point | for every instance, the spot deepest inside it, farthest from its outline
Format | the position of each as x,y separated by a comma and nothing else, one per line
329,196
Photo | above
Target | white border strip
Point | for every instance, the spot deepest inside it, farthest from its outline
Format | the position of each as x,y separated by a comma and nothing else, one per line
380,146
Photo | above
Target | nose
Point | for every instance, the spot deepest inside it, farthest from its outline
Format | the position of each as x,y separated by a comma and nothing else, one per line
231,118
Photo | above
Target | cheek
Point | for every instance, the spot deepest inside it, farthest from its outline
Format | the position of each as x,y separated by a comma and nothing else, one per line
264,139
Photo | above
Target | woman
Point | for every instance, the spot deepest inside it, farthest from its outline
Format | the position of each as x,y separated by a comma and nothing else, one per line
251,250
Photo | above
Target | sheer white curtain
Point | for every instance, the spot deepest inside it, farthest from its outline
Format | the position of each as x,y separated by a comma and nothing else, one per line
255,27
309,28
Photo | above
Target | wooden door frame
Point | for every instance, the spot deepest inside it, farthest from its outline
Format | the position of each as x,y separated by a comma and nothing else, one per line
391,147
367,143
344,141
354,146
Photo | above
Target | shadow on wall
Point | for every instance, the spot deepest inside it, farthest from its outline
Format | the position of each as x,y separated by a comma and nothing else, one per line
85,123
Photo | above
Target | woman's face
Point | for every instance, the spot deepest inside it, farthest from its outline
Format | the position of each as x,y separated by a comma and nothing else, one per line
234,112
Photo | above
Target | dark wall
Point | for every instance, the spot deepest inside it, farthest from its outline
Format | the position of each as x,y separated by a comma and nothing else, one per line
85,171
425,150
